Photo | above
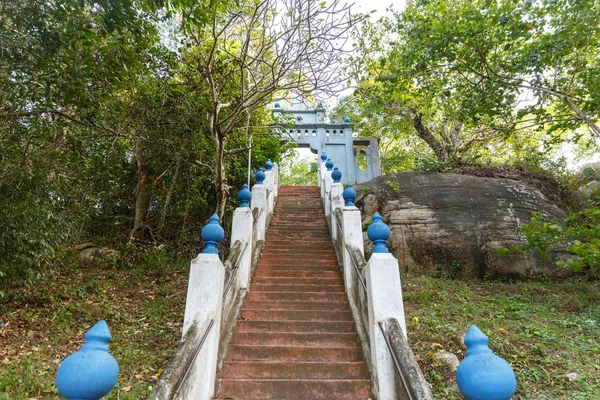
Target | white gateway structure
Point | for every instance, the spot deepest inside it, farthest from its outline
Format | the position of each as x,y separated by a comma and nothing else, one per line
356,157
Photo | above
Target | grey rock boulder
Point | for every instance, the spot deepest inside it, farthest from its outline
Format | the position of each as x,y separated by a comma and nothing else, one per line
455,224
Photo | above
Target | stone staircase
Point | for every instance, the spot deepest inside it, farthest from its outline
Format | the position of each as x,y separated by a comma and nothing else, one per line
296,337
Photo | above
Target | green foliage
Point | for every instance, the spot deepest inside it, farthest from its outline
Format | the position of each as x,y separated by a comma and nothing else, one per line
430,163
395,186
451,76
543,329
580,233
298,171
103,130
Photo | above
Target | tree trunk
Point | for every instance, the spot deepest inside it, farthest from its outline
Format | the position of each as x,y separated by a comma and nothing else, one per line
163,215
425,134
221,188
142,195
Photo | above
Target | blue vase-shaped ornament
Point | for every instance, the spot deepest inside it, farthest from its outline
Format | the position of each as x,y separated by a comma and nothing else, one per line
260,176
482,375
92,372
349,195
336,175
378,232
212,234
244,196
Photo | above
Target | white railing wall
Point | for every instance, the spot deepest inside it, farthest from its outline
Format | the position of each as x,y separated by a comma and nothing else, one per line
373,287
216,291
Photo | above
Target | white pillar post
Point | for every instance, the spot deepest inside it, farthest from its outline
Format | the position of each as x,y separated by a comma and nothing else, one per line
204,302
269,183
353,236
270,193
384,293
241,229
328,183
337,201
259,201
275,180
321,171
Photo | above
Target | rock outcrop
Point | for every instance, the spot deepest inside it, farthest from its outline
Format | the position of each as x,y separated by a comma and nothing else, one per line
454,224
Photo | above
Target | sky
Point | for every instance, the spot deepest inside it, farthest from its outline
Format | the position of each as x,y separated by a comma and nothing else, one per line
379,5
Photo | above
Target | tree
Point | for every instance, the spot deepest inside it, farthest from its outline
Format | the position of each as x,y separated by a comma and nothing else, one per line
459,72
60,63
249,51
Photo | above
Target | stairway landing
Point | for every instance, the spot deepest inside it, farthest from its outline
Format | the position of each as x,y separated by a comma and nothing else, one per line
296,338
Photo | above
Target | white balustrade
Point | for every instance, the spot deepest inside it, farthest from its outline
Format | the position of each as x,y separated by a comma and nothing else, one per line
373,288
210,300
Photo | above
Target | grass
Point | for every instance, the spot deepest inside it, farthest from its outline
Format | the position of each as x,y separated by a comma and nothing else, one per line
44,323
543,329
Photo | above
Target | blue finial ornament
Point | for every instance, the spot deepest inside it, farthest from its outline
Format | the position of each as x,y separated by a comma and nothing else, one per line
212,234
277,105
336,175
323,157
260,176
378,233
244,196
92,372
268,164
346,119
349,195
482,374
319,104
329,164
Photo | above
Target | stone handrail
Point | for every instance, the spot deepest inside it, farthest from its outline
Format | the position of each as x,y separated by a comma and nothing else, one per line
373,287
375,295
410,383
216,292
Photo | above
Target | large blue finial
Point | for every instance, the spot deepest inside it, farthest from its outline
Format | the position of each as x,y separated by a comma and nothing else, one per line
346,119
482,374
349,195
92,372
378,233
329,164
212,234
319,104
244,196
260,176
277,105
336,175
323,157
269,164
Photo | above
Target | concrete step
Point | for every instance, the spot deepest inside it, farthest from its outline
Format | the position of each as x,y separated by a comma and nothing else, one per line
290,266
303,339
268,287
295,326
275,242
291,370
293,353
297,272
326,259
286,296
296,338
299,281
296,305
296,315
300,237
293,250
323,257
292,389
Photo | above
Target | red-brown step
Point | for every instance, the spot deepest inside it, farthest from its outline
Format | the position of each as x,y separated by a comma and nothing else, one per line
296,338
